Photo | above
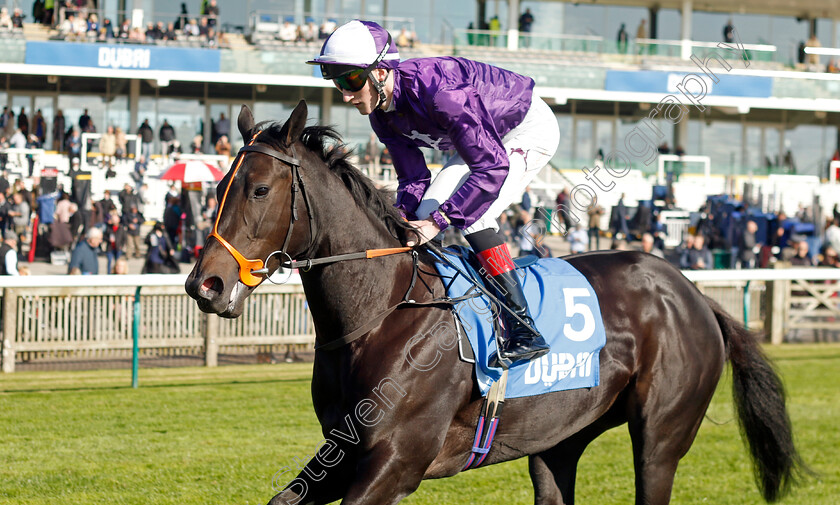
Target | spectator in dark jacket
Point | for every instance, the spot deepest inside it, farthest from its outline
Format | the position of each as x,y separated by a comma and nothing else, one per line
802,258
128,198
103,209
167,136
698,256
58,131
132,220
160,258
172,218
115,238
147,136
85,254
4,212
84,121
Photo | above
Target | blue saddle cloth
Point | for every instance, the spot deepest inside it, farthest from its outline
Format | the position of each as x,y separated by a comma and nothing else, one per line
565,309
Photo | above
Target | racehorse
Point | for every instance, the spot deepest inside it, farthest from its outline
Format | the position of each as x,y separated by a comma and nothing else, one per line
388,423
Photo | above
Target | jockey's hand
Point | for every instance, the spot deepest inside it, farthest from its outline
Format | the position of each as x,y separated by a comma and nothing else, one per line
426,228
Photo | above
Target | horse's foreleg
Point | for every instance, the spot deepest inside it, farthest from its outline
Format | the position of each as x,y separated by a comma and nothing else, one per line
324,479
388,473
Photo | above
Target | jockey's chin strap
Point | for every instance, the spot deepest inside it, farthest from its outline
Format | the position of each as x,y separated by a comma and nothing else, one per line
254,271
380,88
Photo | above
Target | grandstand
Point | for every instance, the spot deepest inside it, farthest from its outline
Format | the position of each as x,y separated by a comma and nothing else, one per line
765,109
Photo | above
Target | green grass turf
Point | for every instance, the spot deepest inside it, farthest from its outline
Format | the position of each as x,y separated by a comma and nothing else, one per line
216,436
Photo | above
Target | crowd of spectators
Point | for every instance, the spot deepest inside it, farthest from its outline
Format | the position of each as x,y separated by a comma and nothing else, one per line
111,227
799,241
13,21
63,135
107,227
76,20
290,32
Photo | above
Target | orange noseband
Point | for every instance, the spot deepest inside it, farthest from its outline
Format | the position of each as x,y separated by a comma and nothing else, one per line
246,266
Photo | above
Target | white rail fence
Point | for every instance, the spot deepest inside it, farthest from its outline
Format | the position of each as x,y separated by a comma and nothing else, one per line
92,317
79,318
781,302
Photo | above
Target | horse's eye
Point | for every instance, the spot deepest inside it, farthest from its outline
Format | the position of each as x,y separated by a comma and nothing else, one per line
261,191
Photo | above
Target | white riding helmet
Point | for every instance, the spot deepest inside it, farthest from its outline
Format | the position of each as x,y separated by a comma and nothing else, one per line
358,44
353,51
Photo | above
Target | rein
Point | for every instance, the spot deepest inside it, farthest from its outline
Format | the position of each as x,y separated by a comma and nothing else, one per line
405,302
253,271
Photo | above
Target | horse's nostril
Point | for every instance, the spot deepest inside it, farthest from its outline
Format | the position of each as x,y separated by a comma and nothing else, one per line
211,284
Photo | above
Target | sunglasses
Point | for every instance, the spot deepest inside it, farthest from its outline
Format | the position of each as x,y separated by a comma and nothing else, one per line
352,81
350,78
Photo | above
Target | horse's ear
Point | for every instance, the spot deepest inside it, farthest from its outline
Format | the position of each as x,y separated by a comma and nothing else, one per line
293,128
245,122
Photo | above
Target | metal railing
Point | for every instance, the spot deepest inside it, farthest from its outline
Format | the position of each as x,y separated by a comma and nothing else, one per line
270,20
534,41
597,45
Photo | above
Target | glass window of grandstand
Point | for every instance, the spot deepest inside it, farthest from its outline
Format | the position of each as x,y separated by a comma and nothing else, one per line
275,111
353,127
772,155
762,152
31,104
809,148
216,127
117,113
74,107
594,136
181,115
604,134
583,148
722,144
694,138
562,158
752,152
658,132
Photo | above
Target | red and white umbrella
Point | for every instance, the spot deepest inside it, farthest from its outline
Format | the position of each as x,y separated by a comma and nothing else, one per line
192,171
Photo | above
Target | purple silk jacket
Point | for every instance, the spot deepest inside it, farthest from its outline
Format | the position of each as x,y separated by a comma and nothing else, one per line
452,103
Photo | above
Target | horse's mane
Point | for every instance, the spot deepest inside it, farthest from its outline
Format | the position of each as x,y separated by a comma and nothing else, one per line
327,144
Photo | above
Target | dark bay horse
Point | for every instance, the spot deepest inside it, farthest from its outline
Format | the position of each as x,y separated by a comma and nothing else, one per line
390,424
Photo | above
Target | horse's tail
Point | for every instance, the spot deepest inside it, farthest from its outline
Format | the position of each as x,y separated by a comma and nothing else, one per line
760,402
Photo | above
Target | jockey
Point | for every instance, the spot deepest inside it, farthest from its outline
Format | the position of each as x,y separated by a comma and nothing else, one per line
503,135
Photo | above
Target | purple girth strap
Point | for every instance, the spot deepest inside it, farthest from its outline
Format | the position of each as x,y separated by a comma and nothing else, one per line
492,410
479,451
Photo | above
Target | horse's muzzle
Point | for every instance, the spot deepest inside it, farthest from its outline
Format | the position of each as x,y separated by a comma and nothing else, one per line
208,292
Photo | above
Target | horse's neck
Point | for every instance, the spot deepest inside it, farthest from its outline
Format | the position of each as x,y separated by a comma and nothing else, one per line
345,295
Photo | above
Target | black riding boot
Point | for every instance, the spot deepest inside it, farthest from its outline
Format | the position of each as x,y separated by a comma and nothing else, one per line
520,343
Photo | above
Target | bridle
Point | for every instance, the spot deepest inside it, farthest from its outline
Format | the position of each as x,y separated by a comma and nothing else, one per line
249,267
254,271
